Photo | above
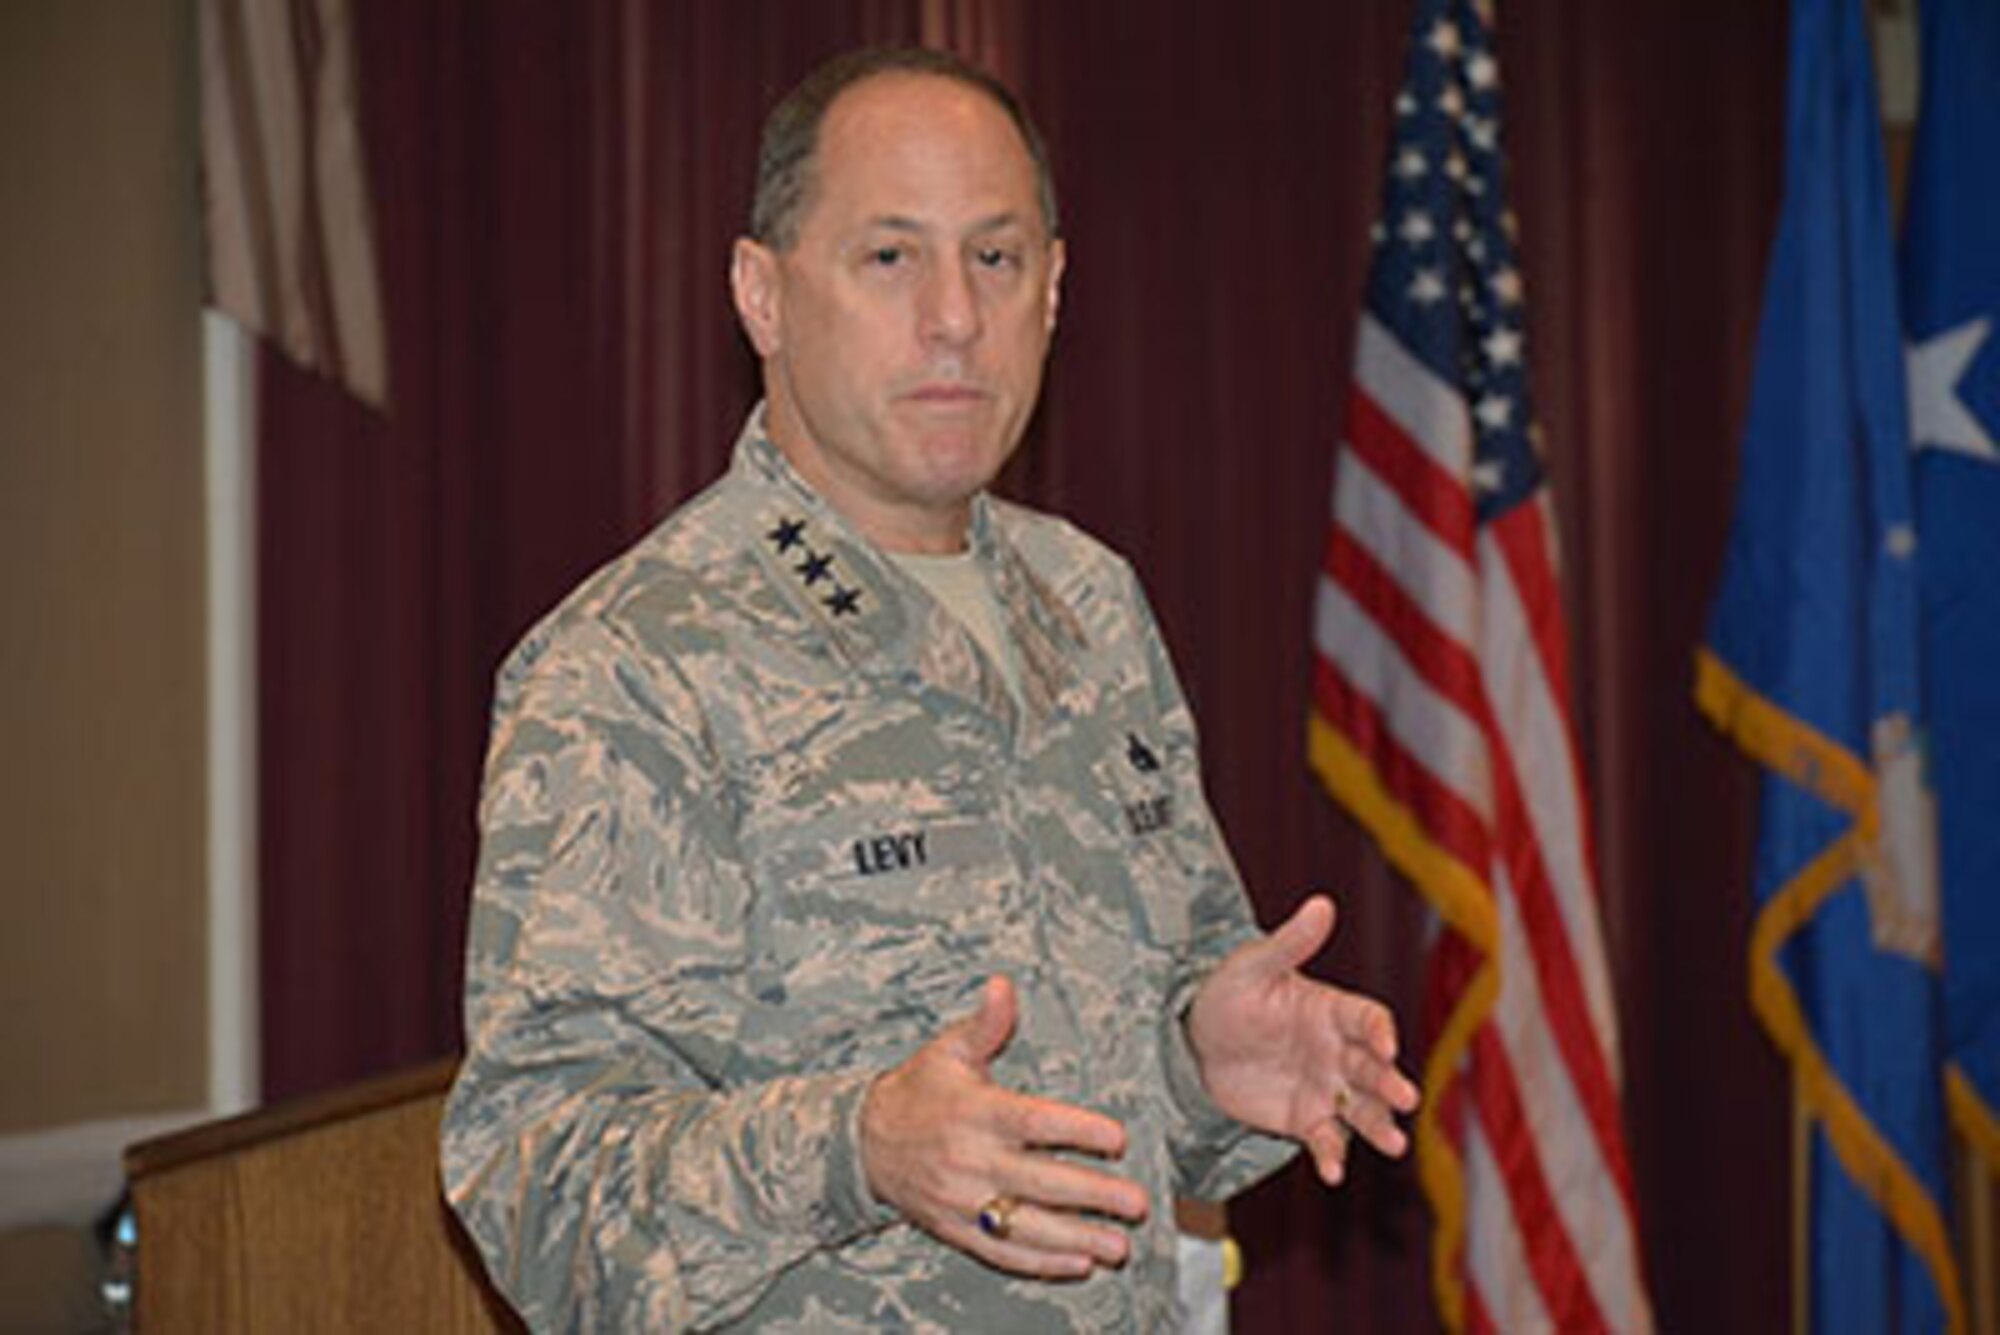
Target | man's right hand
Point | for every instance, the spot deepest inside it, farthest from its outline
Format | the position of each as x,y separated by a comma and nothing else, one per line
940,1140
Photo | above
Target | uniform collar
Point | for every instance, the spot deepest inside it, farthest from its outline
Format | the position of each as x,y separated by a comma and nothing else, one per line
873,614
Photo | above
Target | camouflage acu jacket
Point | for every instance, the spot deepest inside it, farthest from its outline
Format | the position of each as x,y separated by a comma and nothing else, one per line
758,820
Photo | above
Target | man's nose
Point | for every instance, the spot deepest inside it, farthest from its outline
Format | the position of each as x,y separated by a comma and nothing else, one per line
949,305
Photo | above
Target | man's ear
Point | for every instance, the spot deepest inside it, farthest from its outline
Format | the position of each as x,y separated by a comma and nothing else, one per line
1058,257
755,283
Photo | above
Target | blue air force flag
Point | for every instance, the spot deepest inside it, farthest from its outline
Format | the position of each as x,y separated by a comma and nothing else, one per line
1951,312
1812,667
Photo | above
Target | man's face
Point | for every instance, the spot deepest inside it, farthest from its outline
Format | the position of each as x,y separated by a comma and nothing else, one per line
903,332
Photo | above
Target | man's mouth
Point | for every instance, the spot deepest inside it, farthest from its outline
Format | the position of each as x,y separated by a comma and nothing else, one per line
946,394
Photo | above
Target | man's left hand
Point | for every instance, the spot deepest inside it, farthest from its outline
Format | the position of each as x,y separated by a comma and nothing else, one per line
1292,1056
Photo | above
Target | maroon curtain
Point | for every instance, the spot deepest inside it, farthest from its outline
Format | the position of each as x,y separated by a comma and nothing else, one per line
557,187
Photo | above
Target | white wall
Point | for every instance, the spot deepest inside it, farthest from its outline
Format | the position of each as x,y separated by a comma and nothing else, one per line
104,777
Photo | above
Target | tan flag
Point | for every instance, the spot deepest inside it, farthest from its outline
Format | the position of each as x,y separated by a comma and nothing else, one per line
290,230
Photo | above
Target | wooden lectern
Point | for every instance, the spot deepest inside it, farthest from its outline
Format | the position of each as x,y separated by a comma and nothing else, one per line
320,1215
326,1215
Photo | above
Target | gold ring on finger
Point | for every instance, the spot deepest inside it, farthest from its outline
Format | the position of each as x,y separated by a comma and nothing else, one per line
996,1217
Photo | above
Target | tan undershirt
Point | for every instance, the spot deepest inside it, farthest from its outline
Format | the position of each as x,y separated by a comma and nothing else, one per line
961,587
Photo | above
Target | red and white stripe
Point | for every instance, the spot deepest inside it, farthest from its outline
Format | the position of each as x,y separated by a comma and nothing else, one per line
1441,663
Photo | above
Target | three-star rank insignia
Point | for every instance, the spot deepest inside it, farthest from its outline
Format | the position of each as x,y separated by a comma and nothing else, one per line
813,567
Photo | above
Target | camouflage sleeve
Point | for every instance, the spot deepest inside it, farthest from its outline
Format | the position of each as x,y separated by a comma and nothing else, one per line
617,1164
1215,1156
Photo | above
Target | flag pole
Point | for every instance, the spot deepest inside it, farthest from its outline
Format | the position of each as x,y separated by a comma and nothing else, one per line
1801,1211
1979,1239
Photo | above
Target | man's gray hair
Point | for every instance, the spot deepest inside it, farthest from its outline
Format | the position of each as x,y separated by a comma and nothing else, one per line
791,132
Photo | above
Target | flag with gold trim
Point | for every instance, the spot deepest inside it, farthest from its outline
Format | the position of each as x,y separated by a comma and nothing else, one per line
1951,316
1441,718
1812,667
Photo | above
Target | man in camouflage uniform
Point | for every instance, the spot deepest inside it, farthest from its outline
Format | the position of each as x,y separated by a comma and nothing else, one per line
852,945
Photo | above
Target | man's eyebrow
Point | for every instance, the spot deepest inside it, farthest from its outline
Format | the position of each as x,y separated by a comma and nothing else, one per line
998,222
898,222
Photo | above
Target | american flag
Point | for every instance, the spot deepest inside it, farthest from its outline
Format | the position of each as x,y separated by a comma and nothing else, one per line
1441,718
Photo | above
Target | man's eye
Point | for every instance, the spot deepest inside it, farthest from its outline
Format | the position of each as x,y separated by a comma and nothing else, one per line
888,257
997,257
